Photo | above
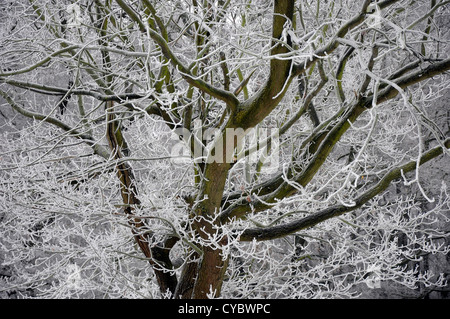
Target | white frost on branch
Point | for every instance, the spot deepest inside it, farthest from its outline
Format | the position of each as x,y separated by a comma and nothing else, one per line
373,279
375,18
75,18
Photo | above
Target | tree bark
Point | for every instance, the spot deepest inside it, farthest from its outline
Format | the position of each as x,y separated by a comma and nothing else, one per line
211,274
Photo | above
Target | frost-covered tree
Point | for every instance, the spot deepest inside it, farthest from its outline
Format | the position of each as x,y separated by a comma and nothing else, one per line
226,148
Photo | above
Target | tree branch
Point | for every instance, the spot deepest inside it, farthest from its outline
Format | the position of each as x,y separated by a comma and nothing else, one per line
278,231
54,90
334,43
255,109
222,95
156,255
321,143
413,78
98,149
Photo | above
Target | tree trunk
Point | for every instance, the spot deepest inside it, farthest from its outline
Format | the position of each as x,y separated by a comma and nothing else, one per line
201,277
204,274
211,274
186,282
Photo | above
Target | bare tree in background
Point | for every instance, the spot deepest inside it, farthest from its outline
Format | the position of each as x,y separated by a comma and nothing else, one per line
240,149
